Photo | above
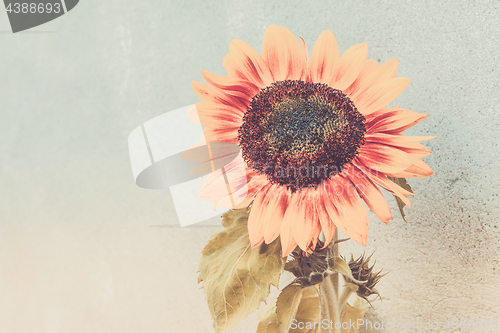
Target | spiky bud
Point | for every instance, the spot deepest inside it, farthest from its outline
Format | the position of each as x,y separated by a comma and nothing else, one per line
362,271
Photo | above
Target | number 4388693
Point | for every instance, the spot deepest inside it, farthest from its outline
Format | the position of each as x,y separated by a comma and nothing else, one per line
33,8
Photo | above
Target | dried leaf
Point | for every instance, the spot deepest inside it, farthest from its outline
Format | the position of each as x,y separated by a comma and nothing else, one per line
293,267
352,313
308,311
268,320
347,291
287,305
237,278
295,303
404,184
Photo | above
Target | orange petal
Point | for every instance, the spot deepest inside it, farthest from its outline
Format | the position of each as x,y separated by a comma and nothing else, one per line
226,134
315,233
216,115
383,110
244,203
207,166
303,227
212,151
327,224
324,56
346,208
192,114
381,94
381,180
370,194
405,143
421,138
254,185
288,243
394,122
385,72
215,188
233,85
369,68
255,181
348,67
211,94
277,207
382,158
303,47
245,63
282,53
256,218
417,169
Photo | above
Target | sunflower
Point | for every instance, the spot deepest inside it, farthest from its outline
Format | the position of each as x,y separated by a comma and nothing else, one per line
315,136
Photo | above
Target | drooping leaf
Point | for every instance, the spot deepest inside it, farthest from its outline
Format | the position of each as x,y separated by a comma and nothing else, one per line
287,305
237,278
297,306
404,184
352,313
347,291
268,320
308,311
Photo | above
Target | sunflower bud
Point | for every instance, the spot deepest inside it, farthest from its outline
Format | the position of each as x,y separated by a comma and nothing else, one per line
311,266
363,272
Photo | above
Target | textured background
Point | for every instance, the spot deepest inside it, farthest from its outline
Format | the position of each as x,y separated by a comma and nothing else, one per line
80,246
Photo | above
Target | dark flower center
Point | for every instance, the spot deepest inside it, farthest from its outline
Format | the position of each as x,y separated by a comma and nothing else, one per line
299,133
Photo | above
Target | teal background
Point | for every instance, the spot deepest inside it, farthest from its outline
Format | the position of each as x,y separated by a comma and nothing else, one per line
83,249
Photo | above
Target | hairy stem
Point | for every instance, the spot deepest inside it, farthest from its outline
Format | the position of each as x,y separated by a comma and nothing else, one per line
329,296
333,299
335,276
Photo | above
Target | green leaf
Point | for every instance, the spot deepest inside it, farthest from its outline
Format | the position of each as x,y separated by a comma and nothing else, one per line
237,278
404,184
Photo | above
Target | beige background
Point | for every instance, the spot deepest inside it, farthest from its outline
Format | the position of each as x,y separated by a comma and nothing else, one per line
83,249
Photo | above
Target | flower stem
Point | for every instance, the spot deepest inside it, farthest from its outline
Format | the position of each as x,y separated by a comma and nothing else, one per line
333,300
329,290
335,277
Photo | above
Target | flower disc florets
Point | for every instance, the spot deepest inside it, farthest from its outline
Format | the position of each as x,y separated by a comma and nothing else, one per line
299,133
